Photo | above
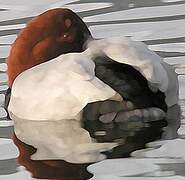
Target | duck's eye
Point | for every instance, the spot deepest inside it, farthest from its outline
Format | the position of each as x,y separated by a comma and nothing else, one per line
65,35
67,23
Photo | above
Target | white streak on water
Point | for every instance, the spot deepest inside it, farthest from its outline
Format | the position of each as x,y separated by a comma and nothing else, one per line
22,175
12,27
3,113
88,6
2,98
168,47
181,86
166,33
139,13
182,121
7,149
175,60
129,29
61,3
3,77
9,39
16,7
131,5
155,144
169,1
26,2
3,87
6,123
4,51
180,71
13,14
172,149
32,8
3,67
181,130
122,167
161,160
41,6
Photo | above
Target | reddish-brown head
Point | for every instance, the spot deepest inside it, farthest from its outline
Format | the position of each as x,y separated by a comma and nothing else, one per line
45,37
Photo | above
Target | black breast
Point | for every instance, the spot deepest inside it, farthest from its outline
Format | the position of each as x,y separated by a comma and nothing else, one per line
129,83
132,86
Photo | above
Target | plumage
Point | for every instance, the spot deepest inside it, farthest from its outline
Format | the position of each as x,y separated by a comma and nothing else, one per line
135,71
64,86
47,93
82,83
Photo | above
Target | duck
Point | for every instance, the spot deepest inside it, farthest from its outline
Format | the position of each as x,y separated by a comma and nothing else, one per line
97,69
83,83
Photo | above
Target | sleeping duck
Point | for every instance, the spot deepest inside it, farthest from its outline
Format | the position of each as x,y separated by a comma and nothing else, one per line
55,107
120,81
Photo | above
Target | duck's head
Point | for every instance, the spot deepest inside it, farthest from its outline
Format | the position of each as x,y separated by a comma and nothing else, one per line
55,32
66,29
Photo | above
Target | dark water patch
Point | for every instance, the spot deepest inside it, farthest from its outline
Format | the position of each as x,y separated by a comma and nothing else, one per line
8,166
179,168
2,60
6,132
15,21
154,19
4,44
169,54
9,32
164,41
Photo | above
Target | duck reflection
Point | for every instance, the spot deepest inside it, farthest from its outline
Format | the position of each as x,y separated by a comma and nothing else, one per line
49,169
131,137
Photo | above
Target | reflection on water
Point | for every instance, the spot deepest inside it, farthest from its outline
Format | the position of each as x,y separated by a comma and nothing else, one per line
131,136
49,169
